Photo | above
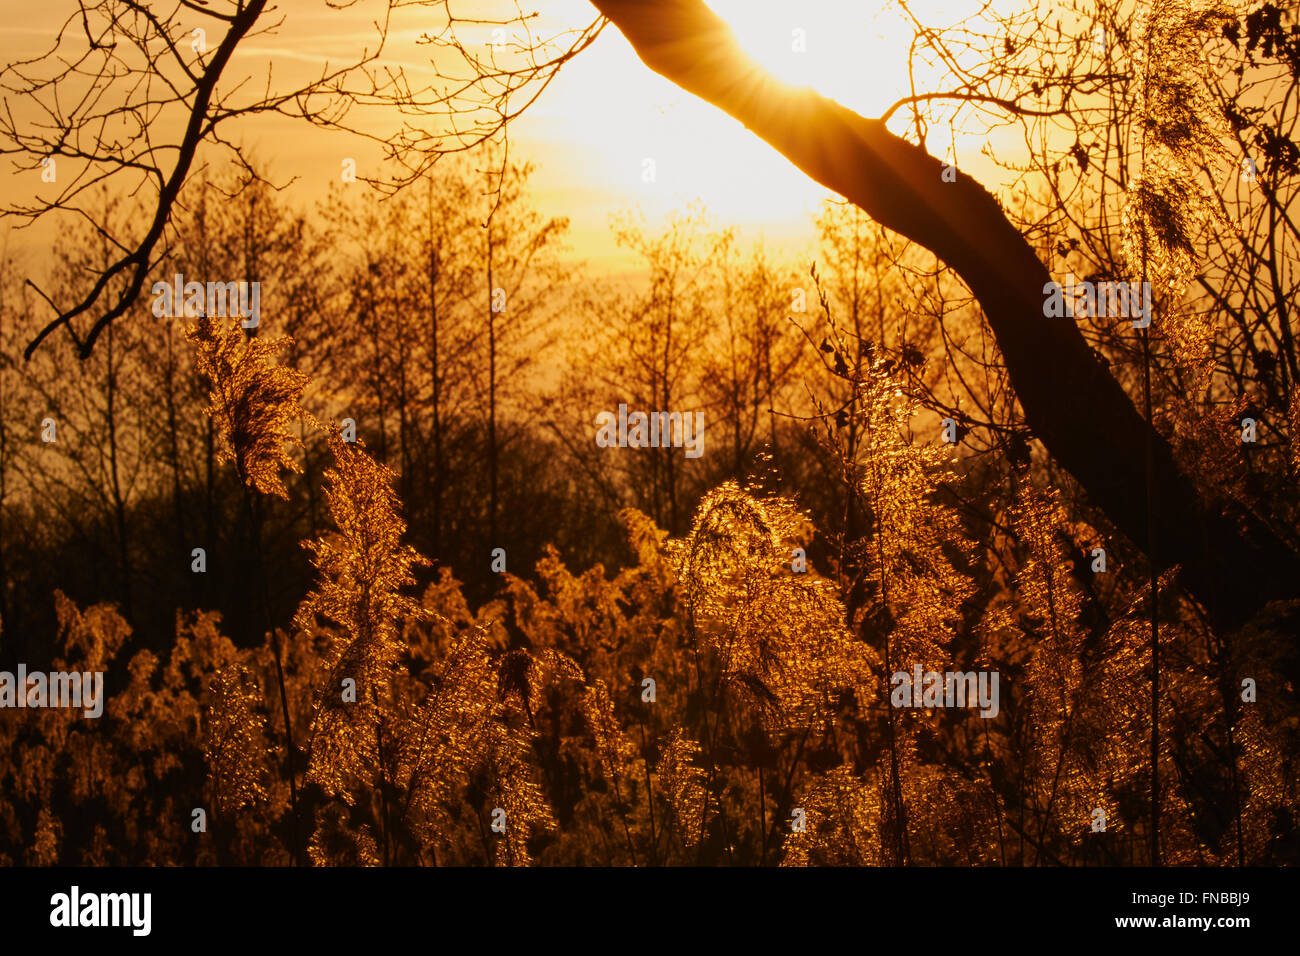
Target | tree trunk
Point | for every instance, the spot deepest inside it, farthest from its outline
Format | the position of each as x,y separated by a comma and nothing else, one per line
1232,562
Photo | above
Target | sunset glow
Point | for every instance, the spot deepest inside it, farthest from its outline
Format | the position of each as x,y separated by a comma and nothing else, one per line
702,435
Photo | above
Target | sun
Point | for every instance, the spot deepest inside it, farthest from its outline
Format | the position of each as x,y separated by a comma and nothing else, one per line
656,147
853,52
865,56
859,53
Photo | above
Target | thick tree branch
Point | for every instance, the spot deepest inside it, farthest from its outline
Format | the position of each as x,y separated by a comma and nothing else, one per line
1232,563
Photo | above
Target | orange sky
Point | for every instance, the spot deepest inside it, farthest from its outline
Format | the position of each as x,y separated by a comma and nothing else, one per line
603,116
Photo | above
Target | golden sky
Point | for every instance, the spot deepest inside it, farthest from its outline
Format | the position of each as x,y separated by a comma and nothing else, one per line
604,115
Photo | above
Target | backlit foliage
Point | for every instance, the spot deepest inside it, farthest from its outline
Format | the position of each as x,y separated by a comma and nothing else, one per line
402,716
235,736
747,728
422,731
682,781
842,820
778,636
362,568
253,400
1179,130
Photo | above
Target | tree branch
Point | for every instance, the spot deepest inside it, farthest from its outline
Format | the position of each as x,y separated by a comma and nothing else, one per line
1232,563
